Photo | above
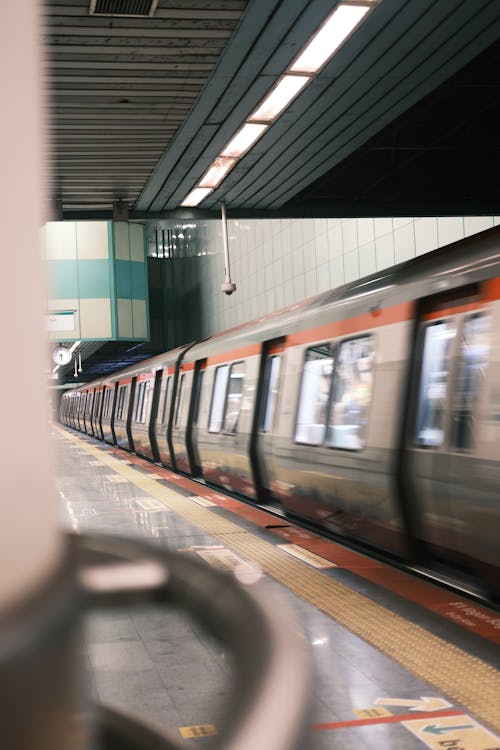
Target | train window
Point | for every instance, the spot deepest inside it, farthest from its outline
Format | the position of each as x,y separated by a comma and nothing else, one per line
107,403
218,398
234,398
139,407
165,400
314,394
197,397
271,376
122,395
97,403
473,358
180,399
438,339
351,394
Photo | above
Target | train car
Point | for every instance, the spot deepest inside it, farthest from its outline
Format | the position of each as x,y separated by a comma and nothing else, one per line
372,411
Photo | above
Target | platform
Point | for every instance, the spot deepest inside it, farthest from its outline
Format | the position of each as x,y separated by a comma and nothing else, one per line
398,662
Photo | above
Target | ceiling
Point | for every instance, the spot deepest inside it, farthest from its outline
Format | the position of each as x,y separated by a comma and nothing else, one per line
402,121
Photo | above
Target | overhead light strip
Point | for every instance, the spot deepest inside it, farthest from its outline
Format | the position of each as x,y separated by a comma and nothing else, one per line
319,50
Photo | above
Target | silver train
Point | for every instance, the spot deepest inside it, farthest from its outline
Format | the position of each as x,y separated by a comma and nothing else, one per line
372,411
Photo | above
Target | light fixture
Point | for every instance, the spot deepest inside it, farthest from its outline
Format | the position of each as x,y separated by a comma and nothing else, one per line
329,37
279,98
321,47
244,138
75,346
217,172
196,196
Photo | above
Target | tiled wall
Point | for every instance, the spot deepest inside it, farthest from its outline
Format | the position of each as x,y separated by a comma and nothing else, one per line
97,280
277,262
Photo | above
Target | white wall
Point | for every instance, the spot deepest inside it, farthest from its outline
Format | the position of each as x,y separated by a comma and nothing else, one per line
278,262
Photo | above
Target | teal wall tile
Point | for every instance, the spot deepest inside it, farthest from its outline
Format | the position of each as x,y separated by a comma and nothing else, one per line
62,279
93,278
138,278
122,279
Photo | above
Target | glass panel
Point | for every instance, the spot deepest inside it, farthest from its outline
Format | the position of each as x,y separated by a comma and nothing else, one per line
314,394
180,399
271,376
165,400
140,401
474,351
218,398
234,398
121,402
196,407
352,392
434,384
145,401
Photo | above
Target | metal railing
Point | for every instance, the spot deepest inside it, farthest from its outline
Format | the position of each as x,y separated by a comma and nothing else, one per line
269,699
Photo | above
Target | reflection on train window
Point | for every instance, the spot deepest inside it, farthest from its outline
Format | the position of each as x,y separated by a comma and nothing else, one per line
122,395
352,393
165,400
97,403
271,376
473,358
314,394
234,398
142,402
197,396
180,399
434,384
107,403
218,398
88,408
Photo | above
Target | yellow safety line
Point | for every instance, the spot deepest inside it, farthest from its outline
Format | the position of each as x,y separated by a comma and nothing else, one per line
466,679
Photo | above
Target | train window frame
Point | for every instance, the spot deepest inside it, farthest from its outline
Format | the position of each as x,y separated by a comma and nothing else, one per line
197,397
107,403
370,338
302,404
120,404
437,441
180,399
270,395
218,399
466,408
232,429
165,399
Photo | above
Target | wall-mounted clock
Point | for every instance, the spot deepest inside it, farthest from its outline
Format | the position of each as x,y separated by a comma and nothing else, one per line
61,355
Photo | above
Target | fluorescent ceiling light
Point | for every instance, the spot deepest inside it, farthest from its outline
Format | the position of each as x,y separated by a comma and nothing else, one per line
244,138
75,345
280,97
329,37
217,172
196,196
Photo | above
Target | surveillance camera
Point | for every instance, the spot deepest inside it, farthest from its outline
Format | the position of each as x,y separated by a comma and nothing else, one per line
228,287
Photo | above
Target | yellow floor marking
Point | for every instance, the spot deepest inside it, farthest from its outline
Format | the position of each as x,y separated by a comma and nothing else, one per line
308,557
202,501
371,713
198,730
466,679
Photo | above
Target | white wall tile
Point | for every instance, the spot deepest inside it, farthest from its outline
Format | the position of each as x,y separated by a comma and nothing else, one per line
323,277
299,288
450,229
366,231
349,235
384,251
95,318
367,260
60,240
310,255
92,239
337,272
474,224
382,226
401,221
351,266
308,230
426,234
320,227
297,262
404,243
322,249
335,241
311,282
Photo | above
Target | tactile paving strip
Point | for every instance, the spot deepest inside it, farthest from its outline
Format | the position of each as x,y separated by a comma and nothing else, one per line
470,681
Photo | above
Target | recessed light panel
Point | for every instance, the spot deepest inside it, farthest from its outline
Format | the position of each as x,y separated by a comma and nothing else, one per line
244,138
196,196
217,172
330,36
279,98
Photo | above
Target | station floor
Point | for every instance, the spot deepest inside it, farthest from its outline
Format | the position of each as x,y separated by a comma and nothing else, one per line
398,663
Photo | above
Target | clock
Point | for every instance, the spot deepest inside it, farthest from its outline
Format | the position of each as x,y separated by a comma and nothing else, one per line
61,355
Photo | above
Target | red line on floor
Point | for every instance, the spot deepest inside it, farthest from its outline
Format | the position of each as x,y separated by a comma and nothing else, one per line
387,719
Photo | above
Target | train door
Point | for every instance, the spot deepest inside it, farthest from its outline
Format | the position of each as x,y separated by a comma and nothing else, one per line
129,414
192,424
162,419
263,438
154,415
440,464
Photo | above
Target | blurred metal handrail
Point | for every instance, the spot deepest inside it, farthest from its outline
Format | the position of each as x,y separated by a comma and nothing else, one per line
270,657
